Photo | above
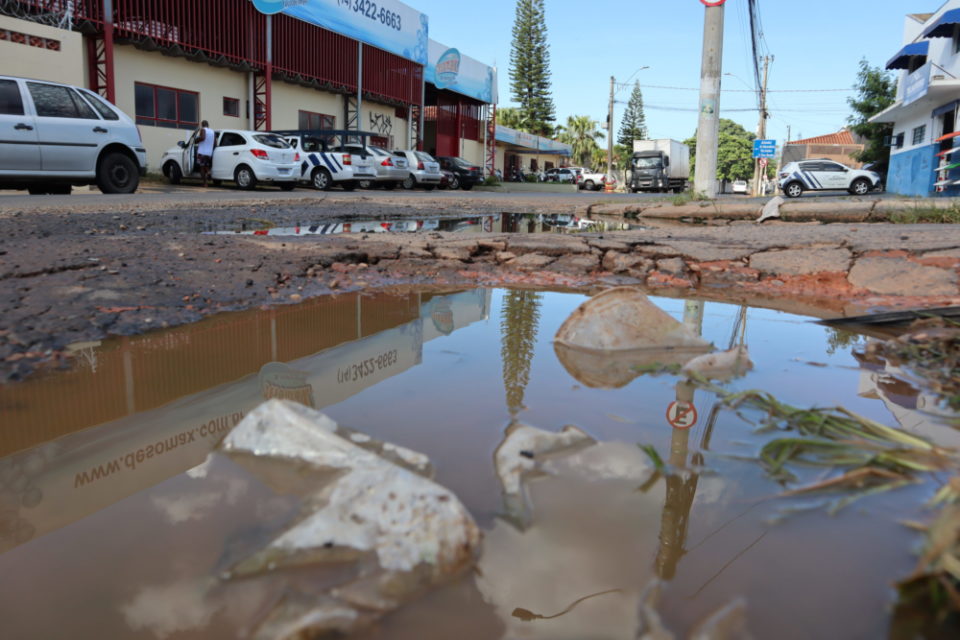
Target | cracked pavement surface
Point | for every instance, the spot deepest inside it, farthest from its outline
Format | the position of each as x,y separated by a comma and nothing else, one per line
73,270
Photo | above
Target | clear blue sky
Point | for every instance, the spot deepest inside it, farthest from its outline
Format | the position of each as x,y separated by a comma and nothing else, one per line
816,44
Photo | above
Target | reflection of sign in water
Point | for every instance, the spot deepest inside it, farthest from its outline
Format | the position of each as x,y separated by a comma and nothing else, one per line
448,68
488,224
681,415
277,380
442,316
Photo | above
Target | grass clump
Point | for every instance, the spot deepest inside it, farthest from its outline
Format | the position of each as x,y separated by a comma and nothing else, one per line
927,215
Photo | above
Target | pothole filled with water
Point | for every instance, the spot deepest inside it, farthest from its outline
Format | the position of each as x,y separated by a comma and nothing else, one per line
497,223
611,497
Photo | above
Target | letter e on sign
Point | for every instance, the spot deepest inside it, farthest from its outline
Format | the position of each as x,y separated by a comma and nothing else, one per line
681,415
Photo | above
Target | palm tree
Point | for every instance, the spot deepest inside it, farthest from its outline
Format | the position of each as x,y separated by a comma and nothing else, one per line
582,134
519,320
512,118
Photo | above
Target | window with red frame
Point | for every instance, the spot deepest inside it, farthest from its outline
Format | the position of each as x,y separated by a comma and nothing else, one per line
166,107
311,120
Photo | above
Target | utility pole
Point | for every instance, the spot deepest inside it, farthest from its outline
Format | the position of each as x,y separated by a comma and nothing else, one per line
708,128
610,131
761,129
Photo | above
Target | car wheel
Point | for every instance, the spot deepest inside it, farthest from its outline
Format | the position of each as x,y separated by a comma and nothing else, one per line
117,173
409,182
216,183
349,185
37,191
793,190
588,185
245,178
390,186
321,179
454,182
172,171
60,189
466,187
428,187
364,184
288,186
860,187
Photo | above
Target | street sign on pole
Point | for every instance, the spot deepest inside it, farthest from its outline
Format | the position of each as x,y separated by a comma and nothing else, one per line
764,148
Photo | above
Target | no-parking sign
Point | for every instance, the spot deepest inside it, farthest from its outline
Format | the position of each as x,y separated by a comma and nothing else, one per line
713,3
681,415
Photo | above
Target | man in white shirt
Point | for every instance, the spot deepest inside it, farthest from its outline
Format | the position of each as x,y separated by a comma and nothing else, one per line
205,150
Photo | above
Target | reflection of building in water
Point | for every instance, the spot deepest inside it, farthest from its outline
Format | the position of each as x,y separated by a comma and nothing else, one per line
155,405
917,411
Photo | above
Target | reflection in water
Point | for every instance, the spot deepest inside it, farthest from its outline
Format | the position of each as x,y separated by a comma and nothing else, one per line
519,320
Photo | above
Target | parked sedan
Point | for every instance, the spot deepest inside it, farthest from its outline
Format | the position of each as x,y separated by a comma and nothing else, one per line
739,186
57,135
391,170
424,169
246,157
465,174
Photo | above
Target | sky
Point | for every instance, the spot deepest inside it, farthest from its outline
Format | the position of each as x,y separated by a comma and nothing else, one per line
816,44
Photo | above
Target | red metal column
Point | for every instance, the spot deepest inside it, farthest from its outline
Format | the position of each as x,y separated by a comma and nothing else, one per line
263,84
100,57
491,149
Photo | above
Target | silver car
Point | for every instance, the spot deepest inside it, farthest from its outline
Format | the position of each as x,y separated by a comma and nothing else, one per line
424,169
391,170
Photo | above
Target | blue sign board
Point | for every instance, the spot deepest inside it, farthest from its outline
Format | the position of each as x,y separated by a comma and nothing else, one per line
916,84
387,24
764,148
449,69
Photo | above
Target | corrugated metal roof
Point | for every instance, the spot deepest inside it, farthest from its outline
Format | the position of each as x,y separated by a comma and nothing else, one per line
840,137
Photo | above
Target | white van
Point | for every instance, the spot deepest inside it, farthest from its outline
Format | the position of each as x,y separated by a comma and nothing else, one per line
57,135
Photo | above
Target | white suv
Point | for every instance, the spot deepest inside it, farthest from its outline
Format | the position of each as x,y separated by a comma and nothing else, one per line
825,175
53,136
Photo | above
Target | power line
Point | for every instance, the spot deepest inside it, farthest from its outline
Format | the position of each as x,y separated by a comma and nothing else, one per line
661,86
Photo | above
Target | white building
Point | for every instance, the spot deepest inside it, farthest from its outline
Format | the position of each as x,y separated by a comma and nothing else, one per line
924,116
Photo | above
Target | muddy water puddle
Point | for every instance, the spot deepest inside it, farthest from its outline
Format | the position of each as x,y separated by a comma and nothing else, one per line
116,522
498,223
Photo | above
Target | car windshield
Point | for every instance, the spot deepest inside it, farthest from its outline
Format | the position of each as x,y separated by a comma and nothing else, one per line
271,140
646,163
462,163
378,151
424,157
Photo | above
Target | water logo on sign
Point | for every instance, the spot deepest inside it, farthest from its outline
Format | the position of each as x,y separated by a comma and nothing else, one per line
271,7
448,68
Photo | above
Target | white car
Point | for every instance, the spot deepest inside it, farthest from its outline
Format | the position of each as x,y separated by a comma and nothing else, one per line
739,186
325,162
246,157
424,169
825,175
57,135
391,170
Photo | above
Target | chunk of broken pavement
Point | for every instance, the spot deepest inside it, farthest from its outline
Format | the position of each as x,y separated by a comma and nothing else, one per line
722,365
408,532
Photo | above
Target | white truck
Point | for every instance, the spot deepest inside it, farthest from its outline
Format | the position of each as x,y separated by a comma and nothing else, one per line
659,165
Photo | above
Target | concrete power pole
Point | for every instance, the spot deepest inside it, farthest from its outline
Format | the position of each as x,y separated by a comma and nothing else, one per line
610,131
761,129
708,128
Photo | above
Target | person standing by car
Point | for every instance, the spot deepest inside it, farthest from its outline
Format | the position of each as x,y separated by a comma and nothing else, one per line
205,150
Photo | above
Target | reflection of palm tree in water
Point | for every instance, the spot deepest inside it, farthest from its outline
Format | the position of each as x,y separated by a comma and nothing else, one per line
519,320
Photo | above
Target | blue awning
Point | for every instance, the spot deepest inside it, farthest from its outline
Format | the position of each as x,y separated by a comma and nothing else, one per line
905,55
943,27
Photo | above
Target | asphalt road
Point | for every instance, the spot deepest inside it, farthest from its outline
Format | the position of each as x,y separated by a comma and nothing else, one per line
158,194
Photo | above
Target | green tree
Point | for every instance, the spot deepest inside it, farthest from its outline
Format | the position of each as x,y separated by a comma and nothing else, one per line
519,321
634,125
582,134
876,90
530,67
510,117
734,152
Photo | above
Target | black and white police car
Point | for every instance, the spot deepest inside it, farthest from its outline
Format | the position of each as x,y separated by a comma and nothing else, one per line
825,175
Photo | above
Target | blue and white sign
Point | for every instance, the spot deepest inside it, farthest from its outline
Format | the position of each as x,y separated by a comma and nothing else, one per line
386,24
764,148
916,84
545,146
449,69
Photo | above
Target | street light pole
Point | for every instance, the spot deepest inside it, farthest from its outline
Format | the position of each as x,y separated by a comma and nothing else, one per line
610,131
761,130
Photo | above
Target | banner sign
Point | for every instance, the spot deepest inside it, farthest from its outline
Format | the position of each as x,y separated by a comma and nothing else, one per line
916,84
449,69
386,24
530,141
764,148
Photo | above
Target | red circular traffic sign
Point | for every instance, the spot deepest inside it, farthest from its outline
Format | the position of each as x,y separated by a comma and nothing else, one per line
681,415
714,3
